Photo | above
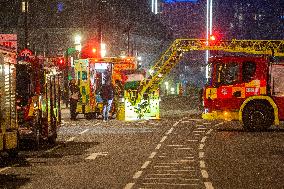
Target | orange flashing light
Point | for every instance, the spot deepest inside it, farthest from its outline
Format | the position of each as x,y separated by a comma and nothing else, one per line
212,38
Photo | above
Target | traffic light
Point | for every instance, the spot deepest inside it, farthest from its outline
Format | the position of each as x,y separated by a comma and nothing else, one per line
61,62
90,50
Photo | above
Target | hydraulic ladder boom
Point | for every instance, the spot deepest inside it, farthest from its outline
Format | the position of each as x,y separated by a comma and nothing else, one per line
173,54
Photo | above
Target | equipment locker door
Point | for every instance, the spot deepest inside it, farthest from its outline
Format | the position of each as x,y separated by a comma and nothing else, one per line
277,87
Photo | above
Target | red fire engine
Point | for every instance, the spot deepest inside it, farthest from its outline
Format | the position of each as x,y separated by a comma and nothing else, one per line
249,89
38,99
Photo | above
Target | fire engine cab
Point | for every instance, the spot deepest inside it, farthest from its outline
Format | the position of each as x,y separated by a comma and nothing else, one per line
245,88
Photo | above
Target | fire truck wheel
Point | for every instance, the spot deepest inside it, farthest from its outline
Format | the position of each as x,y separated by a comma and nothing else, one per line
90,115
13,153
257,116
52,139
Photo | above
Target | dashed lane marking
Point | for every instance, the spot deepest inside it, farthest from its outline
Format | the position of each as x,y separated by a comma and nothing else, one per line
137,174
170,131
201,154
183,148
203,139
4,169
201,146
169,184
208,132
71,139
152,155
163,139
194,140
95,155
129,186
202,164
204,173
50,150
199,131
158,146
175,145
208,185
84,131
145,165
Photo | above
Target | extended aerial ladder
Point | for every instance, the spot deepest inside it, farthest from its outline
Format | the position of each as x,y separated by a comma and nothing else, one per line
173,54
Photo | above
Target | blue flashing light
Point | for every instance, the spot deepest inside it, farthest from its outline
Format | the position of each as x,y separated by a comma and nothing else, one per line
60,7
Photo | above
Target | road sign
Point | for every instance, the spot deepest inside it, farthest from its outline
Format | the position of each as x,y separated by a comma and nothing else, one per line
9,41
26,53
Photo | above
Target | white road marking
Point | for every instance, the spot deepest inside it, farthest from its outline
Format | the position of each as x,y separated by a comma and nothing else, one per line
206,123
208,132
201,128
204,173
95,155
162,166
129,186
152,155
201,154
201,146
158,146
202,164
84,131
176,123
170,131
169,184
189,157
219,124
203,139
145,165
175,145
183,148
163,139
50,150
186,121
208,185
199,131
195,119
179,170
165,174
4,169
192,140
137,174
71,139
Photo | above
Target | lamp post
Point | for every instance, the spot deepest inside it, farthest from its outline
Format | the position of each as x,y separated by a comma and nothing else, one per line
209,27
167,87
25,10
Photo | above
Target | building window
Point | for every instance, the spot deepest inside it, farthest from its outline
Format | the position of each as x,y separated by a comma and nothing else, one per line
25,6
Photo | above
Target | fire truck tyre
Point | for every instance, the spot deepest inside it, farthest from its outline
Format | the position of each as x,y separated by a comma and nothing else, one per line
13,153
52,139
257,116
90,116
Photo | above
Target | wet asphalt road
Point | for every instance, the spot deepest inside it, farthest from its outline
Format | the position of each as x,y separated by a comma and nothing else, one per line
177,151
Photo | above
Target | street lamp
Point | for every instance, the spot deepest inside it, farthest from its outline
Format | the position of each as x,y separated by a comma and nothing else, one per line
167,87
208,31
77,43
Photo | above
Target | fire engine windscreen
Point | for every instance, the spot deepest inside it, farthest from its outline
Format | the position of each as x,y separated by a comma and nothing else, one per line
227,74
